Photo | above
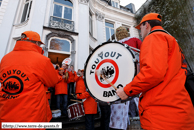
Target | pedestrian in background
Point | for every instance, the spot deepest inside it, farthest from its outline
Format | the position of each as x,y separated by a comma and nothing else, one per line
72,73
61,93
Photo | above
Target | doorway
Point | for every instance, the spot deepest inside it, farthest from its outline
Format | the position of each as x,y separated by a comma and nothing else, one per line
57,58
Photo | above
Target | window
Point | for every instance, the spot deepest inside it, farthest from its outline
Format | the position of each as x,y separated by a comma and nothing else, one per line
59,45
109,31
115,4
26,10
0,2
63,9
90,24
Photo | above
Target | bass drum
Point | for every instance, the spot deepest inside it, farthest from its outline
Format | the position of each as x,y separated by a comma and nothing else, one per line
118,64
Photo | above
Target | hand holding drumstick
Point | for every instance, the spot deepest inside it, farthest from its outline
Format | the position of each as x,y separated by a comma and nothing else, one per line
120,92
98,73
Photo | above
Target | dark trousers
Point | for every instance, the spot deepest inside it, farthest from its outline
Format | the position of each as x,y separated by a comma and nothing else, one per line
133,110
64,99
105,117
89,121
71,88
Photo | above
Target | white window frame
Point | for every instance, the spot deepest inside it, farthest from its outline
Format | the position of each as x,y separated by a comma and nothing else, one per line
63,7
113,3
91,29
56,51
28,10
110,29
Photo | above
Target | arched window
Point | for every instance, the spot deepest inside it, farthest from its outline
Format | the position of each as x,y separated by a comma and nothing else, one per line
60,45
63,9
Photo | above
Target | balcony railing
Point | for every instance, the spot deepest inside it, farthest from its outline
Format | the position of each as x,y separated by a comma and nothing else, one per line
60,23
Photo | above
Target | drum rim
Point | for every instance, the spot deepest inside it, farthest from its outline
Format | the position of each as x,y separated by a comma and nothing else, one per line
75,103
85,66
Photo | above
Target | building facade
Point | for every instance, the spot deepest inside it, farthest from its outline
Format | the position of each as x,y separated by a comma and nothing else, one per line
69,28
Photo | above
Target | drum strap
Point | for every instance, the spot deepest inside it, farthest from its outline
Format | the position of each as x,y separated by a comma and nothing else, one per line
159,30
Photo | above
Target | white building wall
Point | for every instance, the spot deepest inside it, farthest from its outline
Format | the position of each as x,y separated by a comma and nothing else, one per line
49,9
76,67
3,9
7,24
100,34
76,15
38,15
83,40
76,29
35,22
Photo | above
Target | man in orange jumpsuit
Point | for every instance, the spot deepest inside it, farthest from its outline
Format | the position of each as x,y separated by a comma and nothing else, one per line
90,105
61,93
72,73
79,82
164,103
23,75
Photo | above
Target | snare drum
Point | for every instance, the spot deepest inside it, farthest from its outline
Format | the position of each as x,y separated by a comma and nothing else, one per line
75,110
119,65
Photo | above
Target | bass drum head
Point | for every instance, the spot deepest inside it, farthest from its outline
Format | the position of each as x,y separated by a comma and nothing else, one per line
116,62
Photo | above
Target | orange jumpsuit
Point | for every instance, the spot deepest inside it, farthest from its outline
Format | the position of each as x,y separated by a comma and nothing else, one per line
61,86
71,76
23,75
90,105
164,102
79,84
48,96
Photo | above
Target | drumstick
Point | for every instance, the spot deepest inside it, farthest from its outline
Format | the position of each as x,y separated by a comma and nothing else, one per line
73,95
102,76
76,100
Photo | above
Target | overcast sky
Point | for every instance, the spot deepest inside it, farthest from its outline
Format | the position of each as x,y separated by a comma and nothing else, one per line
137,3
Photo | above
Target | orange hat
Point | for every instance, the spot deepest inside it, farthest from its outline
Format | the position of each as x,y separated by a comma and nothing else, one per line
61,69
31,35
150,16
